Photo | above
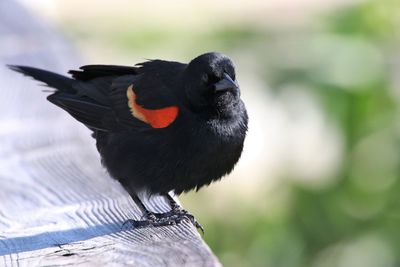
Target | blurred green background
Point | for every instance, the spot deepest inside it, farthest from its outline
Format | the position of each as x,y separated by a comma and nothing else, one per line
318,184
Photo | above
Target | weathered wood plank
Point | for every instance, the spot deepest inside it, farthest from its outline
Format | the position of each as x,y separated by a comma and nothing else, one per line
57,204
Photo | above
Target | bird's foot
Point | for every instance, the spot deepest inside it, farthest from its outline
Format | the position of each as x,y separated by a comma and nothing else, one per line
178,214
172,217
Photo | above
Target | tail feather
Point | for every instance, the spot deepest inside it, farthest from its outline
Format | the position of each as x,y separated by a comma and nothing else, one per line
52,79
87,101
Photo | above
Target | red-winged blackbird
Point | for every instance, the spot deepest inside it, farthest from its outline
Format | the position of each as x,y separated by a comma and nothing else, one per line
159,125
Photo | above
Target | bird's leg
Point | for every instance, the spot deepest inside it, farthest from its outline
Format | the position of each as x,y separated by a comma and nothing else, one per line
172,217
174,206
150,216
146,213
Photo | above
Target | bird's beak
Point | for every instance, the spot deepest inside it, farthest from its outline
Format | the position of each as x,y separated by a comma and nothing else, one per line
225,84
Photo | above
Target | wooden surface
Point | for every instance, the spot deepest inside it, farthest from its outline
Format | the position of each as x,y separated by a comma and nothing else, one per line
57,204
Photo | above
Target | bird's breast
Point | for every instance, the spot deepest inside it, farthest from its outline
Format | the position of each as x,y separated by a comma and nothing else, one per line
178,159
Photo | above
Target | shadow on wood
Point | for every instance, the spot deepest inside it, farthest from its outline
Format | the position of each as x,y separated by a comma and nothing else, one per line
57,204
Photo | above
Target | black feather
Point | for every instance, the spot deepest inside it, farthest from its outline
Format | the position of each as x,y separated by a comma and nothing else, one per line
86,111
90,72
52,79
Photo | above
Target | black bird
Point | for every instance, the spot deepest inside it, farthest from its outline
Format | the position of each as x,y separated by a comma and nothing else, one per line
159,126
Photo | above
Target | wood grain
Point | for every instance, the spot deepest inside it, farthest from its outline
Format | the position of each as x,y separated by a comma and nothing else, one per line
57,204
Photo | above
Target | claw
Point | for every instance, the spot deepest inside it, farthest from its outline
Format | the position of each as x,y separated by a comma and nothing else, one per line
164,219
173,217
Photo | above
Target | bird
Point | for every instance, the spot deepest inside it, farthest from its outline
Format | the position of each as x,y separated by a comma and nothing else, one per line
160,126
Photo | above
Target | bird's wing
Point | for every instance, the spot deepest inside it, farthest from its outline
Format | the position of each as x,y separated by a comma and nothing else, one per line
117,98
144,98
84,109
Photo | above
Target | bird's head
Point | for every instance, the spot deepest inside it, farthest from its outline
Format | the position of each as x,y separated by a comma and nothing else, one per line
211,86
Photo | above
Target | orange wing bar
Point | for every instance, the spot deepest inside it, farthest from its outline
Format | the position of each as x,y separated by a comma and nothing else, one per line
157,118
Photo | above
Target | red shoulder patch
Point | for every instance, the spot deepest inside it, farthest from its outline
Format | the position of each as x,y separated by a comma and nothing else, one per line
157,118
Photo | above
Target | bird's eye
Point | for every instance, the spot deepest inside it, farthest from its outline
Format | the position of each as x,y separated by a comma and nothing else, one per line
204,78
209,79
212,79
